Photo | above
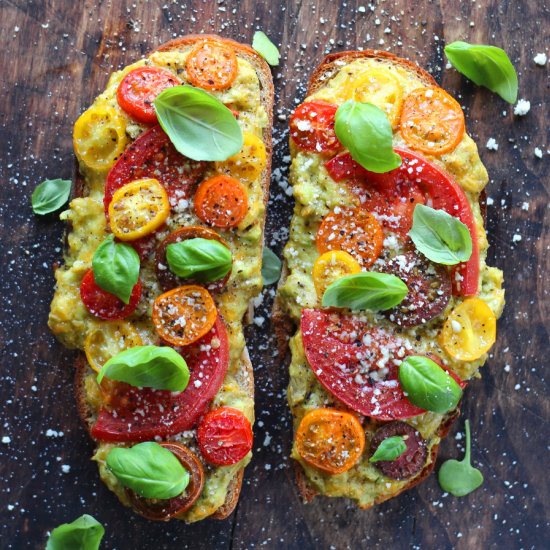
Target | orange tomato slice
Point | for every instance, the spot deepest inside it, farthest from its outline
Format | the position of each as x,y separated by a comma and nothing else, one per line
181,316
331,266
212,66
330,440
431,121
221,201
353,230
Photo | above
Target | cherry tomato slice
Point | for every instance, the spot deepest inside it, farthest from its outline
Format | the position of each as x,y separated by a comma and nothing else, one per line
212,66
134,414
312,127
224,436
330,267
105,305
140,87
152,155
165,509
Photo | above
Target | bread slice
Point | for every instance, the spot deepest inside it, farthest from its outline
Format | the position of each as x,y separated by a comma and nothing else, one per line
245,378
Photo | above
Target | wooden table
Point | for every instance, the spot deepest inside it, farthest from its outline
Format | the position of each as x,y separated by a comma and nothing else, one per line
56,56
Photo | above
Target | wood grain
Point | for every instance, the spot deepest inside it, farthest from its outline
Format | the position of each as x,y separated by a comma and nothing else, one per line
56,56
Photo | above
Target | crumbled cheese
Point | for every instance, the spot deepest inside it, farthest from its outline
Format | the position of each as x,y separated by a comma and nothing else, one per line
522,107
516,238
525,206
538,152
6,440
65,468
490,201
492,144
540,59
457,327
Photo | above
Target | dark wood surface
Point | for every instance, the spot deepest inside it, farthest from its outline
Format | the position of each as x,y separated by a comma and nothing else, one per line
55,56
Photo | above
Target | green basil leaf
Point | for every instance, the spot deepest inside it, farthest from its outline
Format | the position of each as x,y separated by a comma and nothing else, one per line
204,260
50,196
459,477
390,449
370,290
442,238
84,533
149,470
487,66
116,268
200,126
428,386
162,368
365,131
266,48
271,266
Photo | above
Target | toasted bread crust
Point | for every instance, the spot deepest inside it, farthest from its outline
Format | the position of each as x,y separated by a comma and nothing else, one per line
246,375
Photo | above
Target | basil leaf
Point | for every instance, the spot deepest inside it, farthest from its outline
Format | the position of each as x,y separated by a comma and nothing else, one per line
266,48
271,266
374,291
84,533
149,470
428,386
487,66
200,126
442,238
116,268
204,260
50,196
162,368
390,449
365,131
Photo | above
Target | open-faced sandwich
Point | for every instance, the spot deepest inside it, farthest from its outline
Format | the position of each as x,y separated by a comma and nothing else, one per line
386,293
163,258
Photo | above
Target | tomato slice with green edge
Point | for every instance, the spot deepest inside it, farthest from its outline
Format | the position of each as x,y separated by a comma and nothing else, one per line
421,181
105,305
139,88
141,414
356,363
152,155
312,127
224,436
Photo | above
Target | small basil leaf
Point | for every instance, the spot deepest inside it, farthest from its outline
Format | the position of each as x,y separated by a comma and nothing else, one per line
50,196
149,470
84,533
271,266
116,268
390,449
442,238
365,131
427,385
370,290
200,126
460,478
204,260
266,48
487,66
161,368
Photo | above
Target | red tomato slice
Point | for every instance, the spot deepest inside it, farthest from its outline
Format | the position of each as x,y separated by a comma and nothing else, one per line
141,414
152,155
417,180
312,127
225,436
140,87
103,304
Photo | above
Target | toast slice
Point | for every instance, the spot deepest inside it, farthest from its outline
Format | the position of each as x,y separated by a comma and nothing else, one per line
296,290
66,323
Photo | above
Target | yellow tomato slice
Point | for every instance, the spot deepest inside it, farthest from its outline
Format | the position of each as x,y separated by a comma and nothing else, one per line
331,266
469,331
105,341
99,137
248,163
379,87
138,208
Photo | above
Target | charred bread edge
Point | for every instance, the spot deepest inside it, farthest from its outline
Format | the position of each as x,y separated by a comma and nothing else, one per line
283,325
246,380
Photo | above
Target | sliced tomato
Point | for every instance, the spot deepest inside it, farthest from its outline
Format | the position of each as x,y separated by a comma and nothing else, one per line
140,87
134,414
224,436
312,127
212,65
105,305
416,180
152,155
